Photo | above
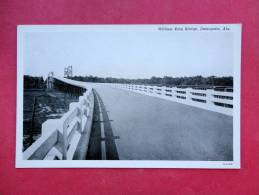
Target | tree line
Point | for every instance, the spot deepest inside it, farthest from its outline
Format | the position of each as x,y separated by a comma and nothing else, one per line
163,81
31,82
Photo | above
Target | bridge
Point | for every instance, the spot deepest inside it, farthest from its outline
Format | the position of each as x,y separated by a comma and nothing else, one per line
138,122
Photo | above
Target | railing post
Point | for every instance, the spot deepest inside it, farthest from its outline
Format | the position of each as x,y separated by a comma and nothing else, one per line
209,97
174,89
163,91
151,89
65,141
188,94
80,112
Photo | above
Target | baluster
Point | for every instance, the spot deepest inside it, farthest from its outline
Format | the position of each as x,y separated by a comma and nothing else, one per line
80,114
65,140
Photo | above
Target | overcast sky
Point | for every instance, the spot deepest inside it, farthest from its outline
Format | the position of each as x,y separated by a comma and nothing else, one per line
129,54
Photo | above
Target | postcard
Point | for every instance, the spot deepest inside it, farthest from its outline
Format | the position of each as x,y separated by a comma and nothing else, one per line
128,96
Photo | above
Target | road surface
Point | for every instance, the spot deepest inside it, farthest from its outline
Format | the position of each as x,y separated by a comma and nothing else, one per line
132,126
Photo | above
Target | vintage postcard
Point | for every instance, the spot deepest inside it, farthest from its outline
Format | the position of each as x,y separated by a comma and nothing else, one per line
131,96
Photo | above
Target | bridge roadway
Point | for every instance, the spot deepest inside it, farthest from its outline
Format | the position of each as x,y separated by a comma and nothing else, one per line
140,127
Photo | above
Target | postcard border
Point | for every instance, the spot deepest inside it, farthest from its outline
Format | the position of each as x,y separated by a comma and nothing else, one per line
20,163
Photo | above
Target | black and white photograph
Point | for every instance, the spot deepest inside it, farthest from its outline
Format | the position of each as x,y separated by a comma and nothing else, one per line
128,96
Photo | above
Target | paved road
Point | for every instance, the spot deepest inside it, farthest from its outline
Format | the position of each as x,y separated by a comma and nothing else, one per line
140,127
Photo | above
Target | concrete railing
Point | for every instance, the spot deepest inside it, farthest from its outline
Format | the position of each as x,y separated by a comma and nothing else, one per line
61,138
209,99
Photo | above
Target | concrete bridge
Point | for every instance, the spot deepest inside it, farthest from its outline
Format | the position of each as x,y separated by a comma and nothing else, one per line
137,122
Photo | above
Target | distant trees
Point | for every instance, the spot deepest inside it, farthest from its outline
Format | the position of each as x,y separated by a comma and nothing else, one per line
31,82
163,81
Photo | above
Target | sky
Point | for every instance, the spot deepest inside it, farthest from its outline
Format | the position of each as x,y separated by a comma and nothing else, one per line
129,53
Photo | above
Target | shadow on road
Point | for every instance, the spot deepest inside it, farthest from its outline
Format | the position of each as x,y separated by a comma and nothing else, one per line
94,148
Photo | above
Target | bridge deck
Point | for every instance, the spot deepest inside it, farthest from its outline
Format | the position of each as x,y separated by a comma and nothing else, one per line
150,128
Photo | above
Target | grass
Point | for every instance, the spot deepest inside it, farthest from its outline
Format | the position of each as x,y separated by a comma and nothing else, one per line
48,105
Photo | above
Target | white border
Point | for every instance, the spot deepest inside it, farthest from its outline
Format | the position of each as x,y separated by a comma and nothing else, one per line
20,163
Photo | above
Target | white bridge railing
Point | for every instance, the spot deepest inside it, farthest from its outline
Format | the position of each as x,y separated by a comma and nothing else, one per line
209,99
60,137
